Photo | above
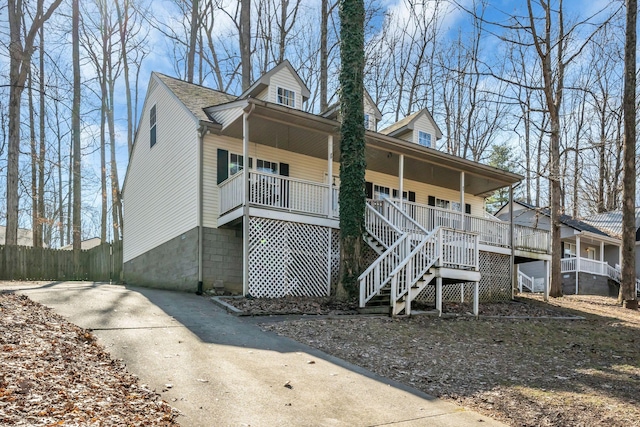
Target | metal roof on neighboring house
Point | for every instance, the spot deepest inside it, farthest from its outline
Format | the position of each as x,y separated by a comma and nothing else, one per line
611,222
195,97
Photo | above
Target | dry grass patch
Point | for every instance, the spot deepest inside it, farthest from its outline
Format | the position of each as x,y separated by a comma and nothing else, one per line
533,372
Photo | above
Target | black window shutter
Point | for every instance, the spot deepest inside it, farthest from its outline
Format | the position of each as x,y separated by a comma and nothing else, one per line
395,193
412,196
561,249
467,208
284,169
432,201
223,165
368,189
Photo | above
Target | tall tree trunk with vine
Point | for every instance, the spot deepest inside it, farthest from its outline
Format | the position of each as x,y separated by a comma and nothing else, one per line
352,146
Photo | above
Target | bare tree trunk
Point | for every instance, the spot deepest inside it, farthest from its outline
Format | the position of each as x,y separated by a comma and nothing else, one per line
123,20
61,213
191,50
628,285
34,165
324,55
245,42
102,66
75,129
42,150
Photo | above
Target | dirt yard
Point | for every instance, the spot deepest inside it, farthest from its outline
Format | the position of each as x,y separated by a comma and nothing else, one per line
537,371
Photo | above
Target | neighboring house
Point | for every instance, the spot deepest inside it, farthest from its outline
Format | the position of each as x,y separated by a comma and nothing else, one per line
241,193
85,244
611,223
586,249
25,236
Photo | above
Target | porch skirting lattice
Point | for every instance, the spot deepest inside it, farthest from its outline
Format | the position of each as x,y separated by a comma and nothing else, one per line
495,283
290,258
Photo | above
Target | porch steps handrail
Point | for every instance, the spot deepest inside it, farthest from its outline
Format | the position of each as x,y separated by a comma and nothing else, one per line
377,275
525,281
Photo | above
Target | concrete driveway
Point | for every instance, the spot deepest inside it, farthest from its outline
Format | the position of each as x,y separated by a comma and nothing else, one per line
220,370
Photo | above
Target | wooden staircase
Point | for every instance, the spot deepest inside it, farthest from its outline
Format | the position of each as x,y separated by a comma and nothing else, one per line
411,257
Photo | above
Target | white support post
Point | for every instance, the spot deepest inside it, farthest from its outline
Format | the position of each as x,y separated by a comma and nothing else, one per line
577,261
603,269
518,277
330,175
462,293
512,258
245,205
401,179
547,280
476,299
439,295
462,208
329,255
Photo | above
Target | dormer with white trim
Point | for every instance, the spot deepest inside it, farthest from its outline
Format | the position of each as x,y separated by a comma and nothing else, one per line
372,114
419,128
281,85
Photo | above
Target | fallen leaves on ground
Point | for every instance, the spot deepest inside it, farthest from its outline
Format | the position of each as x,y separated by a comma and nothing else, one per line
524,372
292,305
54,373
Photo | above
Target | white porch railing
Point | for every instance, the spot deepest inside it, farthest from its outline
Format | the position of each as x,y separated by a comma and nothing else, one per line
281,192
533,239
459,249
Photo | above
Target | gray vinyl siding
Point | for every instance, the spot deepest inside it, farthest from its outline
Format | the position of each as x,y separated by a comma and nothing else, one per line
160,199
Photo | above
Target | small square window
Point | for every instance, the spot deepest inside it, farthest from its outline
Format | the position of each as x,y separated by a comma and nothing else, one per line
424,139
286,97
152,126
367,122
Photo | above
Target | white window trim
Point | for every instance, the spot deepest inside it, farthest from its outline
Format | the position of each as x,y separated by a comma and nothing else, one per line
427,136
292,98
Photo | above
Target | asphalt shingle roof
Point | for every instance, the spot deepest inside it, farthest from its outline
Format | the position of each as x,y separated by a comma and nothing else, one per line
195,97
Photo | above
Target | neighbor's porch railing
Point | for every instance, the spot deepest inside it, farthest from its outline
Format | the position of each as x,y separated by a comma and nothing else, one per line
528,238
281,192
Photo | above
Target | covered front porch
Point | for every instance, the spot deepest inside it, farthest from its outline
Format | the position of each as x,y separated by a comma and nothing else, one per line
411,174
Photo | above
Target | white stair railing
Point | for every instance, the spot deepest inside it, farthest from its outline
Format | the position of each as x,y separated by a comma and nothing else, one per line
396,244
525,281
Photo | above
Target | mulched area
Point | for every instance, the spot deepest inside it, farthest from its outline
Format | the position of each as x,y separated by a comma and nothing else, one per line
292,305
54,373
524,371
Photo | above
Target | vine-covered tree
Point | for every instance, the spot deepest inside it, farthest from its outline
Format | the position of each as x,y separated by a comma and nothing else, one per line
352,145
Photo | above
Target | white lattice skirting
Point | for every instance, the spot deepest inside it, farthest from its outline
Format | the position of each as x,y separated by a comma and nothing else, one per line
495,283
289,258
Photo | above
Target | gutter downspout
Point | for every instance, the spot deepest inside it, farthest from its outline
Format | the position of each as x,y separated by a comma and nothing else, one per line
245,208
202,131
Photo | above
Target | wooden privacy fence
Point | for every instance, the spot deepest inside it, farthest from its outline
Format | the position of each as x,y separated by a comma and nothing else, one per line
102,263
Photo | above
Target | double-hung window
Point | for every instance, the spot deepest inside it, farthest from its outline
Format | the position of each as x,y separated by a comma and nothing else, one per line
380,192
286,97
424,139
152,126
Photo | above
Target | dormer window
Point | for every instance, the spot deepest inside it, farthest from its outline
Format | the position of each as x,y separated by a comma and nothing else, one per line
286,97
424,139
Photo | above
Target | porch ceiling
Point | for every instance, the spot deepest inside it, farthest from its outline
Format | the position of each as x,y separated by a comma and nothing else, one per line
305,133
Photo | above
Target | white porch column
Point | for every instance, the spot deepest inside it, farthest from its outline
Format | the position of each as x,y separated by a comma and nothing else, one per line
547,279
245,205
401,178
330,174
462,209
439,295
577,262
603,269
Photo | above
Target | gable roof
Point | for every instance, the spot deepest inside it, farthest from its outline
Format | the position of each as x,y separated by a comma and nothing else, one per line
193,96
567,220
333,110
25,236
260,84
611,222
405,125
